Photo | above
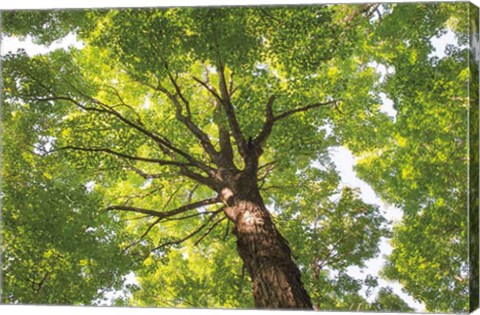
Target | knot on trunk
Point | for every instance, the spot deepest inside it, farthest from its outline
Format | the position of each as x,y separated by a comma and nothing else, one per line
227,197
231,213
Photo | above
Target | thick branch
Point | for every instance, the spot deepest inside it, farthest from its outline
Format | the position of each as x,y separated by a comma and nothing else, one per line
225,98
230,112
226,148
187,121
268,125
207,181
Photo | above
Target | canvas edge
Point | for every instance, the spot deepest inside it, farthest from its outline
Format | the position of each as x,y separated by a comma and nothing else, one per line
473,235
473,174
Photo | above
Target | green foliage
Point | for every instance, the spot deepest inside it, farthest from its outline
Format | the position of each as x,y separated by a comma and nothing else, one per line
388,301
423,167
45,26
113,98
57,248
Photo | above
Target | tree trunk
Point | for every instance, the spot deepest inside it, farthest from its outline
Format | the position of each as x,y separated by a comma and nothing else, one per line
265,253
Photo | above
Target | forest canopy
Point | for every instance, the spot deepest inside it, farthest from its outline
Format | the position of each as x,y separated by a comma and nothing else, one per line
191,149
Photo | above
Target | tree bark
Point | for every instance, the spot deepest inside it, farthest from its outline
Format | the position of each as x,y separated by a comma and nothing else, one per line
265,253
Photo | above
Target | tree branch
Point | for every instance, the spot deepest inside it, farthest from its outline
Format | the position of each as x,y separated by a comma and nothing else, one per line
230,112
268,168
180,94
126,156
163,143
186,120
225,99
226,148
143,235
176,242
146,175
207,181
268,125
123,103
64,98
271,119
129,198
193,215
209,88
171,219
166,214
209,230
361,9
231,89
305,108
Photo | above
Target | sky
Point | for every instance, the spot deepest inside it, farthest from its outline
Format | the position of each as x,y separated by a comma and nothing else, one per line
342,157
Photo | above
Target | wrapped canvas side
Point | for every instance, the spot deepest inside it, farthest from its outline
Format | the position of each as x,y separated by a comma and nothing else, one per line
474,158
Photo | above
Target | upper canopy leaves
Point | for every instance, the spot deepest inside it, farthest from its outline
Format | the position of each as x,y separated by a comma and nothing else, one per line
163,102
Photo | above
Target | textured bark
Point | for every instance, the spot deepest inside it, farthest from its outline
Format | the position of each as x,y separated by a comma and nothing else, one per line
265,253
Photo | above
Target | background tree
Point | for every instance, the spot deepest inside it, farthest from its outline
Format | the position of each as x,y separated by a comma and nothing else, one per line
423,169
56,249
199,120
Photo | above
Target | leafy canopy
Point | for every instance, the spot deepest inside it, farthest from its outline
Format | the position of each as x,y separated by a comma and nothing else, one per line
136,113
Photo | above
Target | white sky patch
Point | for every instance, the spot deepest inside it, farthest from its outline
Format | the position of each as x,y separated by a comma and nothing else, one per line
387,106
345,162
90,229
328,128
382,69
146,103
45,145
110,296
89,186
440,44
439,47
12,44
146,183
475,44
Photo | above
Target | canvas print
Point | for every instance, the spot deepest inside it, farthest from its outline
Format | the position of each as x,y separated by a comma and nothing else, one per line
316,157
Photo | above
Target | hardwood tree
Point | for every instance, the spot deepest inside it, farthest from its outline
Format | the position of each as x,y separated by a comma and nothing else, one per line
195,122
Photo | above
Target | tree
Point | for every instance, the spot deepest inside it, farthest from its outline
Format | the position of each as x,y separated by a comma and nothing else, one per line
387,300
423,169
201,119
55,247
